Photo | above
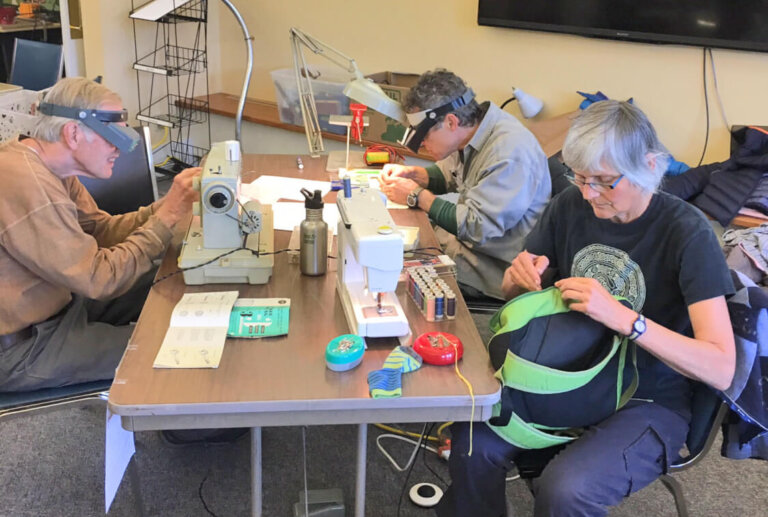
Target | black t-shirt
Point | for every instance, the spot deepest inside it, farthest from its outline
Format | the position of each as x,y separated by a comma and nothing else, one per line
662,262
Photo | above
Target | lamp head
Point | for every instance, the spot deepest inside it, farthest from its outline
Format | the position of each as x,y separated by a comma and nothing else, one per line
369,93
530,106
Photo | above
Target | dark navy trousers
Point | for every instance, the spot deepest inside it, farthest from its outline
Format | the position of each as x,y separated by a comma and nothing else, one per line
613,459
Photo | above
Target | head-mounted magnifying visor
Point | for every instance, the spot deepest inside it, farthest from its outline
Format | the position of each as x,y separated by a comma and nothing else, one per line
422,121
106,123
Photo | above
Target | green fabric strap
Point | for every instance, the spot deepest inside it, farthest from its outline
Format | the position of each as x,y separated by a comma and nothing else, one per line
537,303
524,375
525,435
623,398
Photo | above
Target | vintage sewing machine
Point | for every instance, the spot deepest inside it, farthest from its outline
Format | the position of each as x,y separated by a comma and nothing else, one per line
232,236
370,261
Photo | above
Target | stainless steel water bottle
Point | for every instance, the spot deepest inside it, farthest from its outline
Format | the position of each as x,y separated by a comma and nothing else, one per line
313,233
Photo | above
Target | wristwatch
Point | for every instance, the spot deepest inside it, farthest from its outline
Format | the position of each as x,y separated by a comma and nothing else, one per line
413,198
638,327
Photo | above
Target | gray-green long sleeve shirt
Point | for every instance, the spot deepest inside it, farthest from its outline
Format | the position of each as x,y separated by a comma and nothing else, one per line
503,183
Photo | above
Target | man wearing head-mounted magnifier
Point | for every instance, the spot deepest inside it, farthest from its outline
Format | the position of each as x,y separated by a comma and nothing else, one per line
73,275
489,159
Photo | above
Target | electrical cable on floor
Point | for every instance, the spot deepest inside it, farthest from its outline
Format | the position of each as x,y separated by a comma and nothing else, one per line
200,494
706,104
717,89
418,444
424,433
438,476
401,432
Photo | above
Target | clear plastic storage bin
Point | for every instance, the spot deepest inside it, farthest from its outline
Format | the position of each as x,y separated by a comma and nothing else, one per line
328,90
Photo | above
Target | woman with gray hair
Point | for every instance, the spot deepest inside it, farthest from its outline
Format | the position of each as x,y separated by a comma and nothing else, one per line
614,234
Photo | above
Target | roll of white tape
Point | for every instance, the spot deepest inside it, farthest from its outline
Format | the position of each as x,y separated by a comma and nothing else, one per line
425,495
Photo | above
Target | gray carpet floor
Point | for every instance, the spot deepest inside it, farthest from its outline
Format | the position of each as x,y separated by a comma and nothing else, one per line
52,465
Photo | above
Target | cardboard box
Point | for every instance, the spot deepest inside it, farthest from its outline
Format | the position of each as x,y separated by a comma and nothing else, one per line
396,85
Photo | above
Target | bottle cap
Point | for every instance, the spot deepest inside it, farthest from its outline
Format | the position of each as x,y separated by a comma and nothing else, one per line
314,201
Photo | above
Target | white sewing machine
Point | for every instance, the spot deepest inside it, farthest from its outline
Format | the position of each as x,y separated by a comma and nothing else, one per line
370,261
224,224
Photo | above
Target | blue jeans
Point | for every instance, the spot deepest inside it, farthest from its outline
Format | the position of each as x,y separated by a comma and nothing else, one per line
613,459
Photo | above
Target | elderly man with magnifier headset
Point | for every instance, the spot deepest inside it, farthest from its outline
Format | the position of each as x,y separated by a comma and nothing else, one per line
74,276
489,159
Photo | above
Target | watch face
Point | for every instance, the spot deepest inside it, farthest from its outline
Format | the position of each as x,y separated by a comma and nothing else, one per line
411,200
640,326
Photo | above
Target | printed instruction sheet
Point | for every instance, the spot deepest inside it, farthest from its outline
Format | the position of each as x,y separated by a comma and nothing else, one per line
198,329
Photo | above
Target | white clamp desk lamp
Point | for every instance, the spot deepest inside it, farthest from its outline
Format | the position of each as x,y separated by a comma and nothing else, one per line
358,89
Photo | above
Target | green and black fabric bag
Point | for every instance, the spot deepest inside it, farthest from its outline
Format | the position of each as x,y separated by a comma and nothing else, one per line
560,370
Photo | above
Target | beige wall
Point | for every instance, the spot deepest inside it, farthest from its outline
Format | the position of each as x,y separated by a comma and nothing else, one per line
416,35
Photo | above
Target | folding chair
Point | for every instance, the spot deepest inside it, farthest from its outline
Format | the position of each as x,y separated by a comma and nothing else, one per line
36,65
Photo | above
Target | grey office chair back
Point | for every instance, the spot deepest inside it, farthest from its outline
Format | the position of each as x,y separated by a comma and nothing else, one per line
133,183
36,65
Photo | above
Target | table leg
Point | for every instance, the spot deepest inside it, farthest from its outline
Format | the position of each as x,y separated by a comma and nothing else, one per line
256,471
362,442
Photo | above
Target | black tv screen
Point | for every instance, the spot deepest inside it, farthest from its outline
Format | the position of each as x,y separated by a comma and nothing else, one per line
734,24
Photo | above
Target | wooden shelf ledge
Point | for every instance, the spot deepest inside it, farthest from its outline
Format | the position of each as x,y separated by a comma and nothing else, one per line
266,113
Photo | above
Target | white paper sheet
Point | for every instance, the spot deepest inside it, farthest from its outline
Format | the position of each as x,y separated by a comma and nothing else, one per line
289,215
119,448
197,332
268,189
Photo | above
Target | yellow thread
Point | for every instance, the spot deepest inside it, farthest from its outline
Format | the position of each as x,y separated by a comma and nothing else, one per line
471,394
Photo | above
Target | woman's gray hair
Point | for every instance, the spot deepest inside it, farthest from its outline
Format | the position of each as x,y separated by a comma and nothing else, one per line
617,135
72,92
438,87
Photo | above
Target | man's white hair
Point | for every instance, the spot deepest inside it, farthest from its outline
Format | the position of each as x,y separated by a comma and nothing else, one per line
72,92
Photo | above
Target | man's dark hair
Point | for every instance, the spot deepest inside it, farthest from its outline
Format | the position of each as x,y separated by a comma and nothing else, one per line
438,87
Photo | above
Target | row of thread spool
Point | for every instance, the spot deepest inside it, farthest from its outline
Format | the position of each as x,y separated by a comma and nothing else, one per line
430,293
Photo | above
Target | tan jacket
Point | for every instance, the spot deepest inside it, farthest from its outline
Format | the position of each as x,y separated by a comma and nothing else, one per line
55,241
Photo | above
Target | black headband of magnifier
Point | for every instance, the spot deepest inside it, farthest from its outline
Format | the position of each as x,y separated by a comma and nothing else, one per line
421,122
104,122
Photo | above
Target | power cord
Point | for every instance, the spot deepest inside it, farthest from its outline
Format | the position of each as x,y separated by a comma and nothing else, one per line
706,103
214,259
717,89
424,433
419,445
395,430
200,494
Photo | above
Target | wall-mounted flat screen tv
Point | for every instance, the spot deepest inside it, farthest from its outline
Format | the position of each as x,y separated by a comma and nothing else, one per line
734,24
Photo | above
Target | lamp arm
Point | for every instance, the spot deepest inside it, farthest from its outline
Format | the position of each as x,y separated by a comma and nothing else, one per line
325,50
248,70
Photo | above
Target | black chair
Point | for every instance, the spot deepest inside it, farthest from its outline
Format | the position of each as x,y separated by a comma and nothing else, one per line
557,170
36,65
18,404
133,183
708,412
